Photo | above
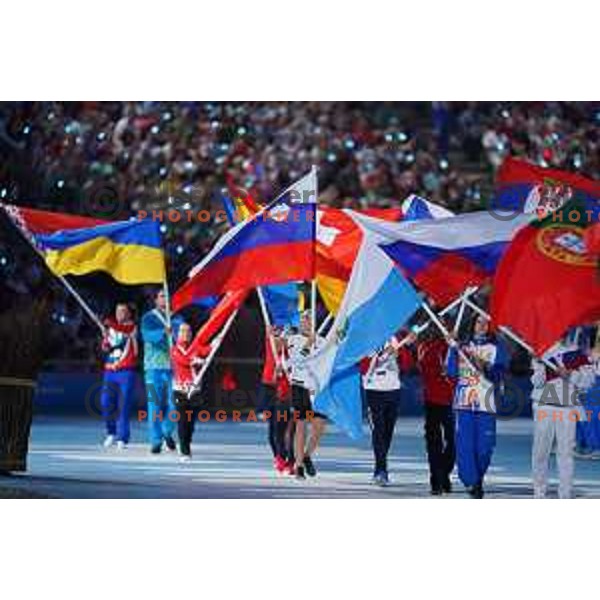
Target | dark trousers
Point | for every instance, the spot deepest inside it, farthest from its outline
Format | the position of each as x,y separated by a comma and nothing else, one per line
188,409
439,436
383,412
278,422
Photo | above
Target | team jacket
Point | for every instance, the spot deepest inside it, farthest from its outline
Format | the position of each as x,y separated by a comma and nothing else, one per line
438,387
476,390
156,342
185,360
381,371
294,360
120,346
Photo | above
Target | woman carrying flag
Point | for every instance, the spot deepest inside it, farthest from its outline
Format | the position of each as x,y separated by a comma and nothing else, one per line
187,357
478,368
298,347
275,391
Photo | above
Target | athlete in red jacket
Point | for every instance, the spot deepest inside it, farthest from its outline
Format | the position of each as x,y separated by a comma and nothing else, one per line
187,358
438,392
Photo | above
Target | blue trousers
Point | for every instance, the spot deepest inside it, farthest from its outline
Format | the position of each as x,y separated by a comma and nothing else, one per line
475,443
588,431
116,399
161,404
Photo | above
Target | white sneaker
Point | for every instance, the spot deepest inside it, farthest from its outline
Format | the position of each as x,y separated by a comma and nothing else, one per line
185,458
121,445
109,441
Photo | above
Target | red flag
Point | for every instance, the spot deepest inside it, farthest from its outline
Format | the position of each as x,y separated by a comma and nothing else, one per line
219,315
547,281
34,221
592,240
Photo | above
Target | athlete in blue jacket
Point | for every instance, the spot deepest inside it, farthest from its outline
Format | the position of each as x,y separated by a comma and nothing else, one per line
474,402
158,376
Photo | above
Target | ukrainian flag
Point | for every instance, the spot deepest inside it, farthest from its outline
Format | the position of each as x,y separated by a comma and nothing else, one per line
129,251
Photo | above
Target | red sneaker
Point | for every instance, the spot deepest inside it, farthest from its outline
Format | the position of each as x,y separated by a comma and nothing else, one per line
279,464
289,468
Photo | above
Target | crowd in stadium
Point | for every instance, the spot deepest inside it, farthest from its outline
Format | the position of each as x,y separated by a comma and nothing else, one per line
57,156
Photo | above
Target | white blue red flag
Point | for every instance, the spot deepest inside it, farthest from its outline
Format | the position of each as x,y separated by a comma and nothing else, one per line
276,245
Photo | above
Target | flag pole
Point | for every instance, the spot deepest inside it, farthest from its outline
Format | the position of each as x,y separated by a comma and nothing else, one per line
509,333
267,320
421,328
84,305
168,309
313,309
447,335
214,348
459,317
313,284
324,324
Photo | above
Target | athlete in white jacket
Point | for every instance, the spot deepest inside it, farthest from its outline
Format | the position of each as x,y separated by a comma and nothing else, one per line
556,410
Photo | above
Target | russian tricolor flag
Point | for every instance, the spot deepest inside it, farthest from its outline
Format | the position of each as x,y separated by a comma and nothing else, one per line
276,245
445,256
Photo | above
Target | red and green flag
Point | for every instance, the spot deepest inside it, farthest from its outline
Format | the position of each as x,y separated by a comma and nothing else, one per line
547,281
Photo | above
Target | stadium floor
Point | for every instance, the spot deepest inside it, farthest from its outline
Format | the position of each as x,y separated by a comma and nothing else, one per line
232,460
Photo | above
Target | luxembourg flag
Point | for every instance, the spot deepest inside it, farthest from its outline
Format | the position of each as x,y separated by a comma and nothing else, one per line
377,303
443,257
276,245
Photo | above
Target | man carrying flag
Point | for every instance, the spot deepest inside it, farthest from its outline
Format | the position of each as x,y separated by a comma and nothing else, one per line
156,334
120,346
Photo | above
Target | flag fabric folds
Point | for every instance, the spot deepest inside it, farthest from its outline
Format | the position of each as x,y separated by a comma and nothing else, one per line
377,303
521,185
32,221
283,304
339,238
547,281
282,299
445,256
274,246
415,208
592,240
129,251
230,303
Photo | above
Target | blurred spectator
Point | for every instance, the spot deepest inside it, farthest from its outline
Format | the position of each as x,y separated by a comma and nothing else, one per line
145,155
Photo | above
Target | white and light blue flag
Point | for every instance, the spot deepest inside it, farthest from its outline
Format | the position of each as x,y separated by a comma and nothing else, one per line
377,303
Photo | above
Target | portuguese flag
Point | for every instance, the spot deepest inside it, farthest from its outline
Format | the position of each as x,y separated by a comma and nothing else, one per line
547,281
592,240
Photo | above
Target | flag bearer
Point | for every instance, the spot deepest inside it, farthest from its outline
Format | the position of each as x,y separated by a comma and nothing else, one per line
557,409
158,376
298,347
120,347
475,401
187,357
438,393
381,385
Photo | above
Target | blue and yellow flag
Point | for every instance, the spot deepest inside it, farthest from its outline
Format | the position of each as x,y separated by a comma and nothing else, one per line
129,251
